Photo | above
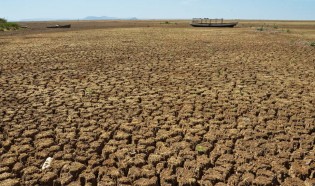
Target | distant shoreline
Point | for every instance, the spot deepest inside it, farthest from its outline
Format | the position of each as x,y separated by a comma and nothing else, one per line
34,27
138,19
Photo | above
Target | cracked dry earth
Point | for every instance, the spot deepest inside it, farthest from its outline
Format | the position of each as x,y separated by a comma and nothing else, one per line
157,106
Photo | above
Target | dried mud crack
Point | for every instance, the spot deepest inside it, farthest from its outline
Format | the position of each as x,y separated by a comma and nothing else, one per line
157,106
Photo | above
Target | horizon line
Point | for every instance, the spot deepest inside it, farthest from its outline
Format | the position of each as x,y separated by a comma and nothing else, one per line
144,19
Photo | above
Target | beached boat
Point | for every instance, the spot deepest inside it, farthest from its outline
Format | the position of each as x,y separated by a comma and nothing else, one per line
60,26
205,22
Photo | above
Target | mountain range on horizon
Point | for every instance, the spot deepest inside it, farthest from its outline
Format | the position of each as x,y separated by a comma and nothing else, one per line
86,18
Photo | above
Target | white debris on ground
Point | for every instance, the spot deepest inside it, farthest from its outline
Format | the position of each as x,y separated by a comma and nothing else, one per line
47,163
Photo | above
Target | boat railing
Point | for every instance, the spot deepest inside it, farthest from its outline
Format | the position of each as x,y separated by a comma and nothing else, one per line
206,20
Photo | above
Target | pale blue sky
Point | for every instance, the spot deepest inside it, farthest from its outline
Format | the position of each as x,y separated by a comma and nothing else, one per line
159,9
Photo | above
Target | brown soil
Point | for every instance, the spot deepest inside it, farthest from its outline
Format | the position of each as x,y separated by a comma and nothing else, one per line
144,103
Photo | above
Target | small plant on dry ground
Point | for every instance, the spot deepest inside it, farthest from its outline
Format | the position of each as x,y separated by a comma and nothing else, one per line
2,20
4,25
260,29
200,148
88,92
168,23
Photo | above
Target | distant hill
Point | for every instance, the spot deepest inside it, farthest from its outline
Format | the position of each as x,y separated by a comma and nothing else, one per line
86,18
